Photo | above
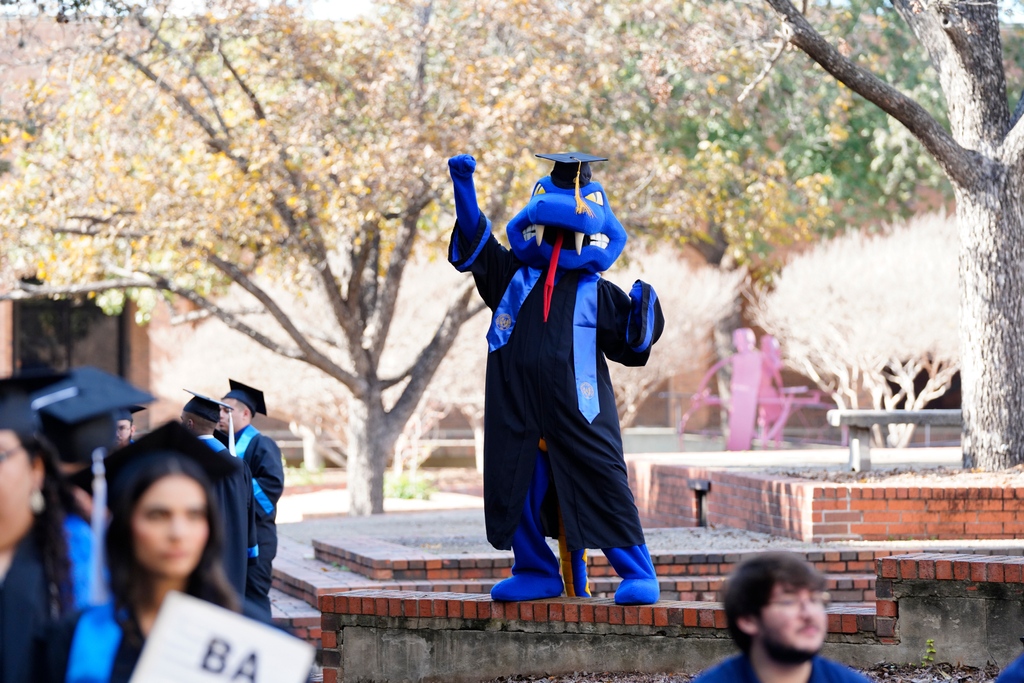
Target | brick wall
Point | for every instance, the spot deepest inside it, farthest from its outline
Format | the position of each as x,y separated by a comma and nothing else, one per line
970,606
390,635
821,511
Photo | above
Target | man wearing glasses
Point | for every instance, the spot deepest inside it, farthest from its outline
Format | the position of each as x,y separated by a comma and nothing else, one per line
775,608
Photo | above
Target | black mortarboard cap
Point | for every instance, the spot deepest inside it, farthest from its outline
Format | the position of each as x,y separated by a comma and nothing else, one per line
78,413
571,157
16,412
98,393
568,165
126,413
205,407
252,398
169,441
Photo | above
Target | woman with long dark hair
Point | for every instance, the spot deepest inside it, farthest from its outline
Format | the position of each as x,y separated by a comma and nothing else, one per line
164,535
35,587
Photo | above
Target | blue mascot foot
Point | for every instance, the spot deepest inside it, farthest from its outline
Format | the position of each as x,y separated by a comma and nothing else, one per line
637,592
527,587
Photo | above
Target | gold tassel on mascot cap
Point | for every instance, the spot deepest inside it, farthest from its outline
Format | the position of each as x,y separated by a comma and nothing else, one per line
581,206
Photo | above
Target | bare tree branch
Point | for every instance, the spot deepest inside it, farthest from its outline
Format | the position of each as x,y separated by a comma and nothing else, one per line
1018,111
253,100
195,316
498,206
218,143
1013,144
959,164
426,364
188,63
308,353
385,308
314,245
228,318
779,49
26,291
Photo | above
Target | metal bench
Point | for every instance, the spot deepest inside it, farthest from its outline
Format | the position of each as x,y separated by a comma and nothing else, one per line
860,422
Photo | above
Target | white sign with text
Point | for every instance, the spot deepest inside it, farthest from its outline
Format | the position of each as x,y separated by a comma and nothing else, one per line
193,640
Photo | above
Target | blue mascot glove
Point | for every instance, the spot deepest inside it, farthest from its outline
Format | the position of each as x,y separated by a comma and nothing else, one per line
467,211
645,322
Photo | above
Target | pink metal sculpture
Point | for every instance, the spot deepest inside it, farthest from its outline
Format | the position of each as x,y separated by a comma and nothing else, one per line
759,402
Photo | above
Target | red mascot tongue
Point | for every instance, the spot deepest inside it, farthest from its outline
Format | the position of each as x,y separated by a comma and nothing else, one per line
549,281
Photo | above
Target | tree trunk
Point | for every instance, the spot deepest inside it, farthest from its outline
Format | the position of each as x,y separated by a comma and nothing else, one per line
367,456
991,322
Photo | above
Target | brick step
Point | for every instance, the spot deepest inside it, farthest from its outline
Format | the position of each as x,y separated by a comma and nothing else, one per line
844,588
385,561
377,559
298,574
846,618
305,577
295,616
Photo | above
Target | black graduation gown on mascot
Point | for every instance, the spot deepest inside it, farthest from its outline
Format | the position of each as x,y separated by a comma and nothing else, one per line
24,612
531,393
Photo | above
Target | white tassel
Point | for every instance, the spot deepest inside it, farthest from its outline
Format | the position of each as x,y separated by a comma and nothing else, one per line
231,436
99,593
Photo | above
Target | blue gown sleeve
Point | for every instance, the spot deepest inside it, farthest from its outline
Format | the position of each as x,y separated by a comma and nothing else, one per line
252,542
79,539
616,319
268,476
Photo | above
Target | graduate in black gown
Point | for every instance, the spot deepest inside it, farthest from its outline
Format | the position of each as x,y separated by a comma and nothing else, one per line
79,416
164,534
234,492
35,585
263,457
125,425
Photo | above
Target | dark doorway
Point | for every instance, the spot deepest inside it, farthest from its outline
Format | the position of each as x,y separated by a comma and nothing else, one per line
64,334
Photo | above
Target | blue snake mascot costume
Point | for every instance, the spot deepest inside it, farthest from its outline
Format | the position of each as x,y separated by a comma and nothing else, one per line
553,463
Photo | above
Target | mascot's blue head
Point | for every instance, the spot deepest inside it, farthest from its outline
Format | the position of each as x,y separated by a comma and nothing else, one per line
569,210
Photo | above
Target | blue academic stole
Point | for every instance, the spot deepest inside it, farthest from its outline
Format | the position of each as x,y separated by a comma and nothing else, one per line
94,646
584,331
242,441
215,446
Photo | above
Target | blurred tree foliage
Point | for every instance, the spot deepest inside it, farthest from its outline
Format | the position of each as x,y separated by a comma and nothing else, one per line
248,144
793,157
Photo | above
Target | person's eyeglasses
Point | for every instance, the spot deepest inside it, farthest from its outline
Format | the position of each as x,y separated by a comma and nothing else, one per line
818,600
9,452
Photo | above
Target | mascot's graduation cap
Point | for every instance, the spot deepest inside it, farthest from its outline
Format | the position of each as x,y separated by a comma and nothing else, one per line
572,170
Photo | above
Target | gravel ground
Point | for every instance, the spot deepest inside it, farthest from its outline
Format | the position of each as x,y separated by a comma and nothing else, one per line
462,531
909,475
891,673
